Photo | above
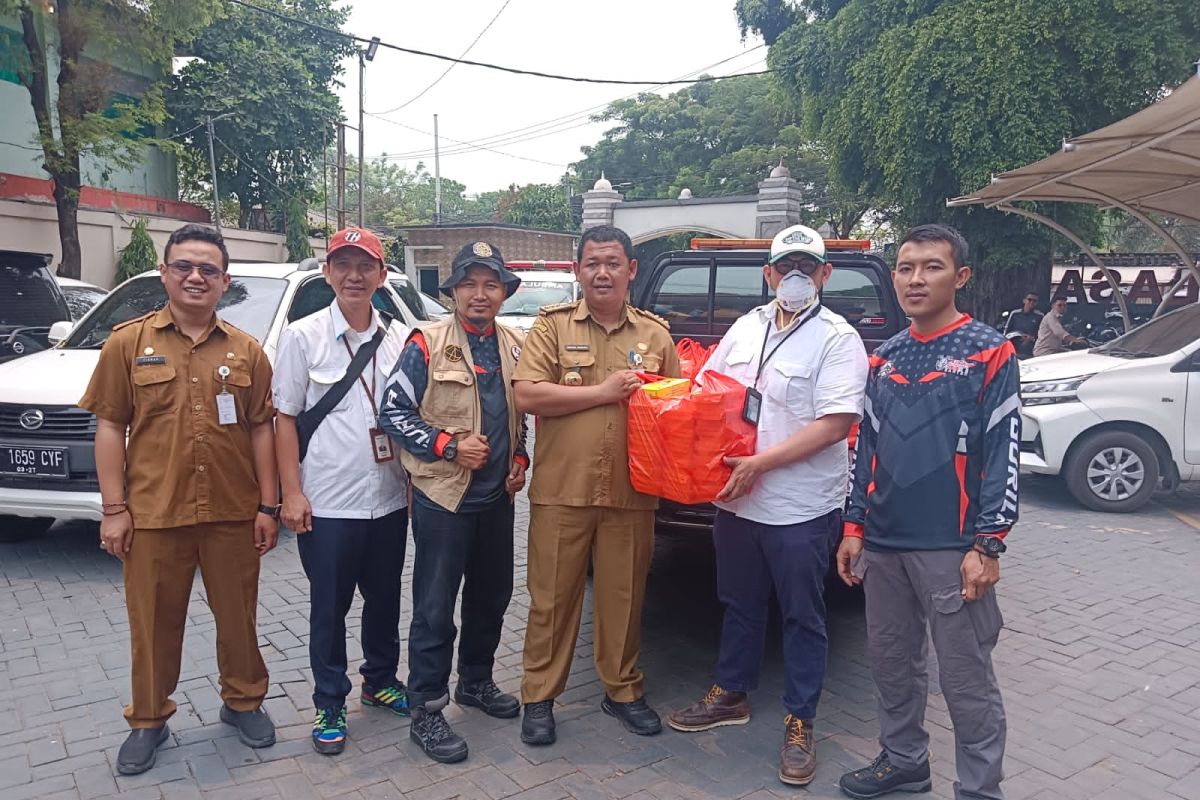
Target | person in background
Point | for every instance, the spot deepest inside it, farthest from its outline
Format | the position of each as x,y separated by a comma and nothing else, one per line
1022,325
1052,336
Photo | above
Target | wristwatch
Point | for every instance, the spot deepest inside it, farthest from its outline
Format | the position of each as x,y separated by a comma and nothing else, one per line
270,511
450,451
990,546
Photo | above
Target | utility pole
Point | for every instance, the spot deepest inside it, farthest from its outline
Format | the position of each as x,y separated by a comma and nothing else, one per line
437,176
340,160
362,69
325,181
212,165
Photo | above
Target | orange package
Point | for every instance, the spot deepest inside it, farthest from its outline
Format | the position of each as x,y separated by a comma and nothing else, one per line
677,445
692,356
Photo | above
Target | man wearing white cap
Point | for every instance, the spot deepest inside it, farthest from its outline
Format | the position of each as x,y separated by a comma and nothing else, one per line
779,516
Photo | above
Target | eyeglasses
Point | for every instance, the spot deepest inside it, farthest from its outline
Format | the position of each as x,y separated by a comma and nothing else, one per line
1030,299
806,265
184,269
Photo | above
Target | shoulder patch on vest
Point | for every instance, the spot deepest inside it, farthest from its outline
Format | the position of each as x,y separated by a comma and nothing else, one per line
641,312
554,309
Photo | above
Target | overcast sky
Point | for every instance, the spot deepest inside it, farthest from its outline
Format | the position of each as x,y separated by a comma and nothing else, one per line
624,39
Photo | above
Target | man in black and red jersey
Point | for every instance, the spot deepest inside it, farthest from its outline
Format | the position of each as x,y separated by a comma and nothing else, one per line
935,492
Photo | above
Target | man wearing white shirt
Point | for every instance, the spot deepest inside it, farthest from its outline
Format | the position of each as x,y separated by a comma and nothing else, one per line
346,499
779,515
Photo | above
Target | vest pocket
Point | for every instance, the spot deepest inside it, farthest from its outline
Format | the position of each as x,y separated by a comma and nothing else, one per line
451,399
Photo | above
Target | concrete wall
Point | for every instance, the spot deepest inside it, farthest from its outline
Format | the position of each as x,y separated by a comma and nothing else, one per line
19,154
729,217
33,227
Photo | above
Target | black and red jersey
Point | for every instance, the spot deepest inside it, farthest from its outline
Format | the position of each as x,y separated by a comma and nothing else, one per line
939,447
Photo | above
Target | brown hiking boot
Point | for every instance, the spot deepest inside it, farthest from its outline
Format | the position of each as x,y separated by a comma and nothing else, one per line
718,708
798,759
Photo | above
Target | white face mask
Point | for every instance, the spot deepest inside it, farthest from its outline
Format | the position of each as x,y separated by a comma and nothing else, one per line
795,292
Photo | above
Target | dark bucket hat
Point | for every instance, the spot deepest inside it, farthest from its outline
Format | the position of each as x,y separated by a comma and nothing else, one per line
485,255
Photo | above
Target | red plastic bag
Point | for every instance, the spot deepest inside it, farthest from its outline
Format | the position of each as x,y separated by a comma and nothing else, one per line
692,357
677,445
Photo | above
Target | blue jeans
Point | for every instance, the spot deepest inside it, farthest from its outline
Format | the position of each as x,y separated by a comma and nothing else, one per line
339,554
473,550
753,558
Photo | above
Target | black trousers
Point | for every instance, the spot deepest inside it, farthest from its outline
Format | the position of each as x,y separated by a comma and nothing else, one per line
473,550
339,554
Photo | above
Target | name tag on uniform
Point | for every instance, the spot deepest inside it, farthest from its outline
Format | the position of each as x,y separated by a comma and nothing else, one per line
142,361
381,444
577,348
226,409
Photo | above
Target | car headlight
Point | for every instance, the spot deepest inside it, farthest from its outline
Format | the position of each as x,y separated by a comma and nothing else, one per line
1044,393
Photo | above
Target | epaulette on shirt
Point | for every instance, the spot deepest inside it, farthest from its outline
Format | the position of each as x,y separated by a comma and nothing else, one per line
554,309
650,315
129,322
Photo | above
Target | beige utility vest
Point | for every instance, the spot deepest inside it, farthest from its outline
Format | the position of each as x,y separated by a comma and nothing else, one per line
451,404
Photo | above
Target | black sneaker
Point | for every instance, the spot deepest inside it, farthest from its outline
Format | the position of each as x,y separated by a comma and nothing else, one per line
880,777
430,730
486,695
254,728
329,731
137,754
537,728
636,716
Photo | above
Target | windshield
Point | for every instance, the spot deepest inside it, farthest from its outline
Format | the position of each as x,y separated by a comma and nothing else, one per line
80,299
1158,337
410,297
531,296
249,304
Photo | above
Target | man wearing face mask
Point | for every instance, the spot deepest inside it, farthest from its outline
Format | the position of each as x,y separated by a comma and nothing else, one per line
779,516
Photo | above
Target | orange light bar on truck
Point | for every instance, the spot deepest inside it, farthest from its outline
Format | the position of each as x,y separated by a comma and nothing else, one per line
532,265
765,244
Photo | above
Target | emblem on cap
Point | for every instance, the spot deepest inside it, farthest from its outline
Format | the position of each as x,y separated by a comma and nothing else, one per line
353,235
453,352
797,237
482,249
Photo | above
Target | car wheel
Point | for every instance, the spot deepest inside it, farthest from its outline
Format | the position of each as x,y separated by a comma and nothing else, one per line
17,529
1112,471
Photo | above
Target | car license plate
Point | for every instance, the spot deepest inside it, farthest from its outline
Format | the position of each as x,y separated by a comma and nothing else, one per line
39,462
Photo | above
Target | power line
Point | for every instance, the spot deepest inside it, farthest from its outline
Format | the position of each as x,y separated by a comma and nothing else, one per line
471,145
463,54
259,173
485,65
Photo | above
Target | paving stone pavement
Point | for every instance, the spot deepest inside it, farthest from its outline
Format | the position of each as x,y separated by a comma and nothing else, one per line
1099,663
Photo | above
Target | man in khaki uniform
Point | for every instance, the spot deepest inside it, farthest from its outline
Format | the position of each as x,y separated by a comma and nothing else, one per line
579,364
195,485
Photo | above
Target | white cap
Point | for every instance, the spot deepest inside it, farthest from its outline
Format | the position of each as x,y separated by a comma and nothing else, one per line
797,239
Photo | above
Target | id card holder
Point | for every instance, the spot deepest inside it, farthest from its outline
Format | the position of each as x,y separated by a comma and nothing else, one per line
381,446
752,408
226,409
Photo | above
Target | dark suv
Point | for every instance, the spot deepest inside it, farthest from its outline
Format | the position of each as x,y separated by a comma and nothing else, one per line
703,291
30,302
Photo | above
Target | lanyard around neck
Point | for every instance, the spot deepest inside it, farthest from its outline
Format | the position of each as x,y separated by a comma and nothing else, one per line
370,392
764,356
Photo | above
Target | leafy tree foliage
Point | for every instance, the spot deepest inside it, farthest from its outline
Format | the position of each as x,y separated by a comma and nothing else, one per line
277,81
139,255
540,205
716,139
77,55
921,100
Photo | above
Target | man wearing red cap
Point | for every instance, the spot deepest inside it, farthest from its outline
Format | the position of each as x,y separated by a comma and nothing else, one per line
344,489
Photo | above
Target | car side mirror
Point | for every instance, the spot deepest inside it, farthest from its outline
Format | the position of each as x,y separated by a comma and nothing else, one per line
59,331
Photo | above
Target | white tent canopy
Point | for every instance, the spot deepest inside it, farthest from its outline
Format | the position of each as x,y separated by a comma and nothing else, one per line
1147,163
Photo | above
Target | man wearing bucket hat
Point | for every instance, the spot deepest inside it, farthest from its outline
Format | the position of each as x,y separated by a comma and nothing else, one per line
449,405
779,516
343,488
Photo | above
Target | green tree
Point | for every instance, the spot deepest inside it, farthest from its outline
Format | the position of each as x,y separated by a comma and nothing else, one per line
76,55
139,255
716,139
540,205
920,101
296,228
276,82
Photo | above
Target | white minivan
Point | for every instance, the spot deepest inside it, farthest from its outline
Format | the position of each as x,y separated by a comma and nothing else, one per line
47,464
1118,420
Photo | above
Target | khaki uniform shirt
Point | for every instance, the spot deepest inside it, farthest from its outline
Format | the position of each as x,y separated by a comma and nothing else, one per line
181,466
1052,336
582,459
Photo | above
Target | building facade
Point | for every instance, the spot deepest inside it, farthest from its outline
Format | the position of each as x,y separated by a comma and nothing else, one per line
431,249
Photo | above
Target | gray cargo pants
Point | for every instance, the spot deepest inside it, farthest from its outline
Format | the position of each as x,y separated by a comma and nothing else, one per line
906,592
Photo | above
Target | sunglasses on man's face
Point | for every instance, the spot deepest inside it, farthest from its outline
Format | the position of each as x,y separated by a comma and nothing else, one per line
806,265
184,269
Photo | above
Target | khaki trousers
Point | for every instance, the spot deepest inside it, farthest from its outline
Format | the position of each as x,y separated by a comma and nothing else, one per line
562,539
159,569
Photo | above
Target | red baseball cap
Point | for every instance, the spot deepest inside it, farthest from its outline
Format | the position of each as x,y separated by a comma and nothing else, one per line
361,238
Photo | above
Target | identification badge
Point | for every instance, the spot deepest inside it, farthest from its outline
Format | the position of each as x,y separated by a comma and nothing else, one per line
752,408
381,444
143,361
226,409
